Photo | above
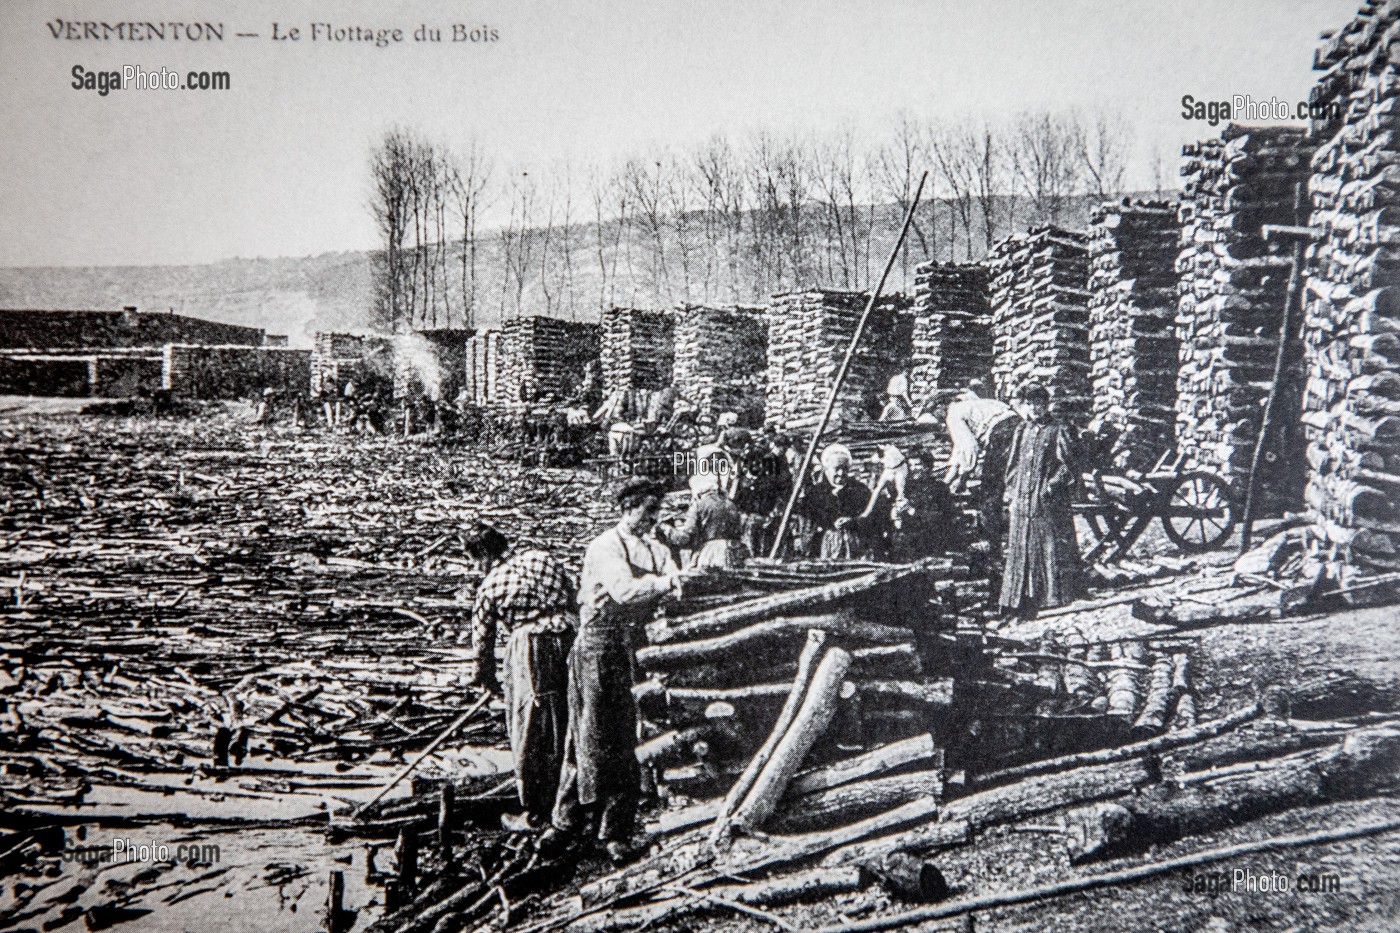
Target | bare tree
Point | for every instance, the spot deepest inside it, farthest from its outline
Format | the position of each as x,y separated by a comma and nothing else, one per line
645,181
389,202
954,152
1104,140
469,174
1044,161
899,163
724,196
517,243
838,174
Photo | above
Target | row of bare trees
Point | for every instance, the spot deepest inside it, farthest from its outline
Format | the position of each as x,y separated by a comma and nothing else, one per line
723,221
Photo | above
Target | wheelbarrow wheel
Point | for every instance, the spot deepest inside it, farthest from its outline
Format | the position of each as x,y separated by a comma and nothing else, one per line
1200,512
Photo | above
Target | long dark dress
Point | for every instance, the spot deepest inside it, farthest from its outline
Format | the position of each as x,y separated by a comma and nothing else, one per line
1043,566
823,506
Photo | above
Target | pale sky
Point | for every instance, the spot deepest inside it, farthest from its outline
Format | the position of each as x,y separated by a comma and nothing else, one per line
277,166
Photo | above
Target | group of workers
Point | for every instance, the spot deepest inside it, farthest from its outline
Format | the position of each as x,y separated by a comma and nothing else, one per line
568,669
569,652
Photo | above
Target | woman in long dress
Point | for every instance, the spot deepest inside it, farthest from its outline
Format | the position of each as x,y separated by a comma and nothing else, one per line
712,529
1043,564
834,504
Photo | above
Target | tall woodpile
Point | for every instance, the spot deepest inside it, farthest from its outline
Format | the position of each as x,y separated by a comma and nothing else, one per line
336,358
1352,338
721,359
952,328
234,371
638,349
1232,288
542,358
1040,317
808,334
483,383
1133,345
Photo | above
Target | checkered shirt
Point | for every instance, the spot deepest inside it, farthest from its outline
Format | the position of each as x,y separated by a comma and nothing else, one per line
530,586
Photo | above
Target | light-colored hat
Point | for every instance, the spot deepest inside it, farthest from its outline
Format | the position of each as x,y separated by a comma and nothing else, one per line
833,456
899,385
727,420
703,482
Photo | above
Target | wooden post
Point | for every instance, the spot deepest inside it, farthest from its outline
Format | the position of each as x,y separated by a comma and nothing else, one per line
406,855
801,473
445,822
335,902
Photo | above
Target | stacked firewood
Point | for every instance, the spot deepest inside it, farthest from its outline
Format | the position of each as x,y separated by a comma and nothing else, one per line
338,357
1039,297
638,349
1352,349
483,368
952,328
808,335
1232,287
721,359
719,668
1132,337
543,358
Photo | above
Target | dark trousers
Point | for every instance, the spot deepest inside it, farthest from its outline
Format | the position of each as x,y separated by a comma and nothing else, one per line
600,780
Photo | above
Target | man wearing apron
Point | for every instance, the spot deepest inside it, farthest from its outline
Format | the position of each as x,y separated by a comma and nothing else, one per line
528,597
625,575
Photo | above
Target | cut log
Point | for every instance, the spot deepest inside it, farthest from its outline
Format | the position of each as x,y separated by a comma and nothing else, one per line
1363,762
926,837
811,720
726,618
806,664
787,889
679,654
851,801
694,860
884,758
1161,743
911,878
1049,792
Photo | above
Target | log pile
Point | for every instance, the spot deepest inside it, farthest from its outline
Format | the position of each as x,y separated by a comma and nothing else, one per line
483,382
721,359
952,328
808,334
542,358
840,657
1352,397
1232,286
336,358
638,349
1133,345
1040,318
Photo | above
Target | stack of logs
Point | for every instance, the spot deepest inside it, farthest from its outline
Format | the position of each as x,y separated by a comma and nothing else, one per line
483,383
1132,340
544,358
1350,311
638,349
808,335
721,359
952,328
336,357
1232,285
1039,296
844,655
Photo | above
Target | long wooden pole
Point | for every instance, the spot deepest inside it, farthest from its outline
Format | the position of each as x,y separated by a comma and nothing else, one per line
1089,882
408,768
1285,333
841,373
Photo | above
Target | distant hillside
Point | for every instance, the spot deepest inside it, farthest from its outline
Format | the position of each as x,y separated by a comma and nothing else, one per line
296,297
334,291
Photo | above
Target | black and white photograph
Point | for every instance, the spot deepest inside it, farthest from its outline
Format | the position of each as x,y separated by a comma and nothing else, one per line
752,466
